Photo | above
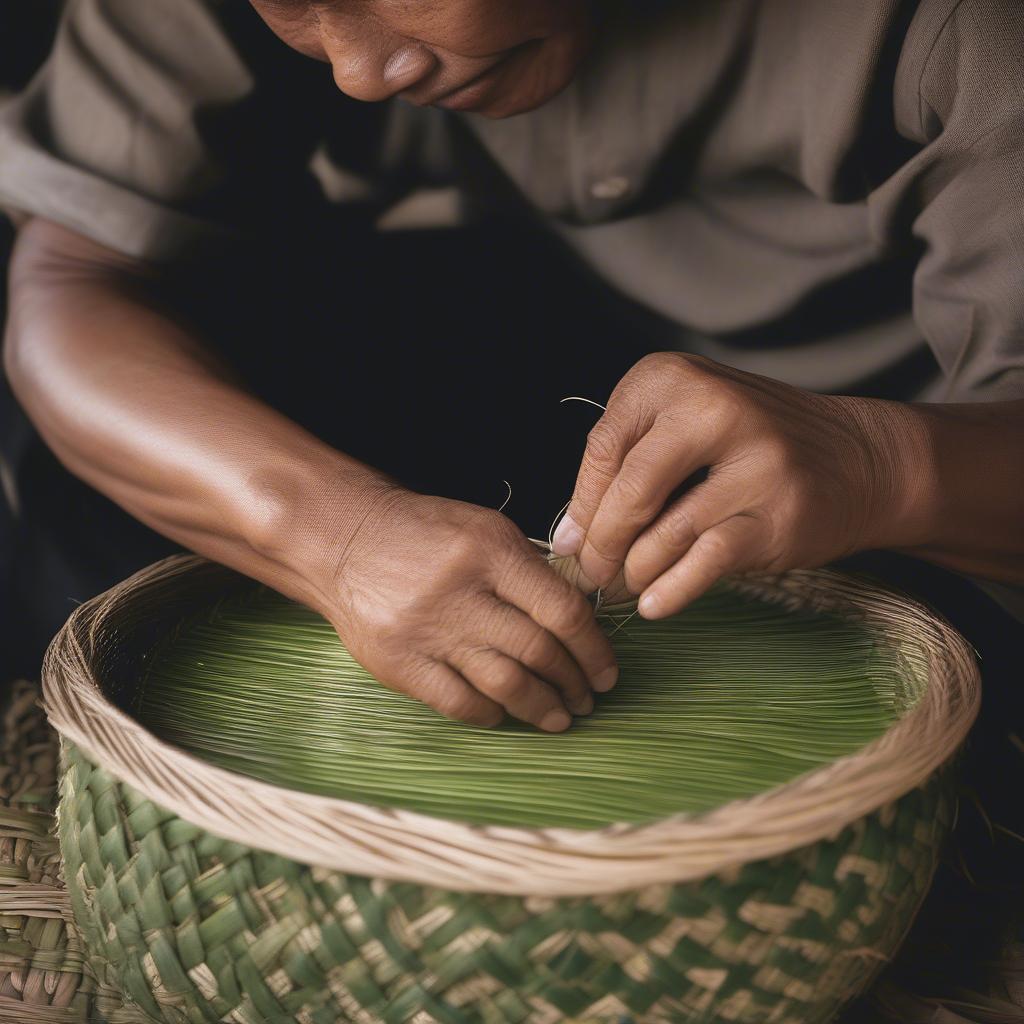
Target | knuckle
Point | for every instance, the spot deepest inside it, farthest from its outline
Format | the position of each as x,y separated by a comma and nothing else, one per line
633,498
676,529
464,708
729,406
514,577
603,550
432,684
570,616
602,448
489,527
542,654
428,682
660,363
779,463
718,549
705,369
675,370
506,683
385,623
534,647
463,547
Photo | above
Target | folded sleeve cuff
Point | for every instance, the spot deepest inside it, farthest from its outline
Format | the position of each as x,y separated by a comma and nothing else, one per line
34,182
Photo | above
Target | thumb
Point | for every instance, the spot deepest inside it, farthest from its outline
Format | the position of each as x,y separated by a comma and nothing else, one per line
608,443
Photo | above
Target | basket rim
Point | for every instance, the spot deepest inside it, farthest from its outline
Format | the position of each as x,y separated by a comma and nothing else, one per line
401,845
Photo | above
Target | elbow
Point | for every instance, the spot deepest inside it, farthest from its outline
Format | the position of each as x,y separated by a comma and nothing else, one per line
19,370
53,282
20,366
15,362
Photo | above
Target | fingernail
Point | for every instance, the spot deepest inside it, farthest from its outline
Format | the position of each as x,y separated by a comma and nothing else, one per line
583,706
567,538
649,606
556,721
605,680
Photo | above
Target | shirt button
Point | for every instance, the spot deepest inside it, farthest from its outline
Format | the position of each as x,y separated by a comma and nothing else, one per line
614,187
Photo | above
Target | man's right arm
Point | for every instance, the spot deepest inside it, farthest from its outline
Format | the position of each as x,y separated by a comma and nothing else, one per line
443,600
134,405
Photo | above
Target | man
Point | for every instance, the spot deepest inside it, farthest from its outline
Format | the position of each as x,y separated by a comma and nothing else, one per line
777,181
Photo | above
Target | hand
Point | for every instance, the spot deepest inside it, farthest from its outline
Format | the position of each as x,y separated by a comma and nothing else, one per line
794,479
450,603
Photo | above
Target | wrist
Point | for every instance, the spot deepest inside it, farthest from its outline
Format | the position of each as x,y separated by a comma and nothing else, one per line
303,513
902,491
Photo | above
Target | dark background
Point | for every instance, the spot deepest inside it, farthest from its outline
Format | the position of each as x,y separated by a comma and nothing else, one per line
26,28
68,543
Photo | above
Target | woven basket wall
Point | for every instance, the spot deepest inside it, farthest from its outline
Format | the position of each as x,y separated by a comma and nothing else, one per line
44,977
206,896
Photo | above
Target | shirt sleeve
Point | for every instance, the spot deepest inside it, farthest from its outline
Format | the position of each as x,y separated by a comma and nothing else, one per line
162,129
960,95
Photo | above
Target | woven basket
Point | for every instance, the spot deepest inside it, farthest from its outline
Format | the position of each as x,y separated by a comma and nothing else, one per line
208,896
44,977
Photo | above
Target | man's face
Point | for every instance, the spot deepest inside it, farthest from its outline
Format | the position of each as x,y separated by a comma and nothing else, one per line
493,57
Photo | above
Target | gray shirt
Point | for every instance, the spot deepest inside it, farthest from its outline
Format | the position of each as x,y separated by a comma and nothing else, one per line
828,192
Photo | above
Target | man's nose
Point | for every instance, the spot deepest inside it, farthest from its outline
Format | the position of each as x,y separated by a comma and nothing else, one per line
376,73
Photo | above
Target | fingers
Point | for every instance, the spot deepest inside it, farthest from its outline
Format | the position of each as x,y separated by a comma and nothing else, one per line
608,442
558,607
649,473
675,531
517,635
441,687
509,683
729,547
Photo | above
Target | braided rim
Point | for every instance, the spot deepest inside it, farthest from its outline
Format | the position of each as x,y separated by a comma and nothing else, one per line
343,835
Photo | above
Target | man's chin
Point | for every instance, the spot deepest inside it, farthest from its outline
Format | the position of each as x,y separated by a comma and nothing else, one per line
522,101
525,88
498,111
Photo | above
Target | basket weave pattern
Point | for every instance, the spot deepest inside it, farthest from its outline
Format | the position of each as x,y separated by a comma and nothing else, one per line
201,929
207,896
41,961
44,976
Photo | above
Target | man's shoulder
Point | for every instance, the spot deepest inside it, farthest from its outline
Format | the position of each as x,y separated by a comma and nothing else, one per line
962,67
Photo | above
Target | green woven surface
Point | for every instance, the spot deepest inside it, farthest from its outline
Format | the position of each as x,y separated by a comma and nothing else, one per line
196,929
730,698
44,977
41,962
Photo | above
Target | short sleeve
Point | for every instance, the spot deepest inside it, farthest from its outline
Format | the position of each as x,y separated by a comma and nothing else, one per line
960,97
960,94
162,129
969,285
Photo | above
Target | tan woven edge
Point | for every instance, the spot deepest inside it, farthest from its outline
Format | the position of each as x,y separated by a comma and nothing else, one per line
404,845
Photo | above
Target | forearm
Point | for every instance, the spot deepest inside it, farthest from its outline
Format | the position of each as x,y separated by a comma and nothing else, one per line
131,403
966,476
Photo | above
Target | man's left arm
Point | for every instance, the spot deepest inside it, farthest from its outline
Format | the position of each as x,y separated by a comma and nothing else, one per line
697,470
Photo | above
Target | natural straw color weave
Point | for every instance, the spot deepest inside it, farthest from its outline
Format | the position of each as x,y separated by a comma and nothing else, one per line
204,896
44,978
41,961
196,928
102,649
